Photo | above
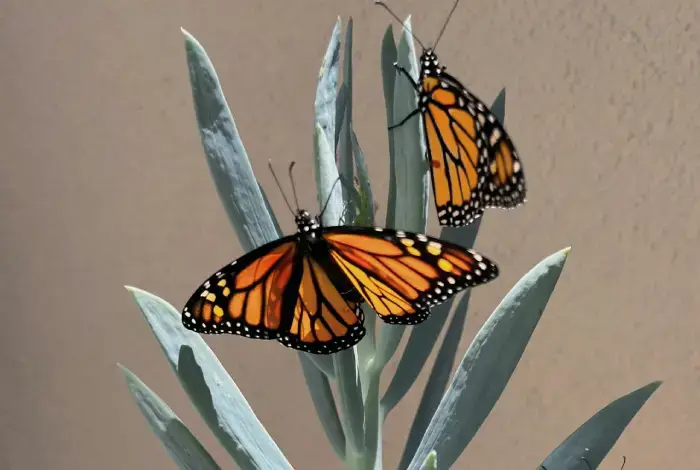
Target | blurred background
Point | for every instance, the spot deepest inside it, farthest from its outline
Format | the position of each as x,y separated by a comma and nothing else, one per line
104,183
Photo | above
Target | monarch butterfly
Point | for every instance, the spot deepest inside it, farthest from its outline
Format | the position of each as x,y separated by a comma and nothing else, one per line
473,162
305,290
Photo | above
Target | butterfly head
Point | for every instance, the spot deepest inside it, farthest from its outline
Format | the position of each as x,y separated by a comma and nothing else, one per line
429,63
305,223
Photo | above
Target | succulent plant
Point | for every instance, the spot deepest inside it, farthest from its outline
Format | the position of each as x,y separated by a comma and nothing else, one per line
452,406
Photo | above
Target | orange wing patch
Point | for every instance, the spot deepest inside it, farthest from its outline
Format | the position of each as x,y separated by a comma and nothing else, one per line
403,283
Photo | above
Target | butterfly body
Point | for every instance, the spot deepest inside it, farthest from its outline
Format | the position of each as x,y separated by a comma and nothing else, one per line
473,162
305,290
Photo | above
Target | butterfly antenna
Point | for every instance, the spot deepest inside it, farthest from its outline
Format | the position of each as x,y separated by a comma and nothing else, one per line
328,199
386,7
444,26
624,461
284,196
294,189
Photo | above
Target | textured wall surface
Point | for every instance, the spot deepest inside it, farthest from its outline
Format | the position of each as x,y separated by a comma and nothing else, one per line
104,183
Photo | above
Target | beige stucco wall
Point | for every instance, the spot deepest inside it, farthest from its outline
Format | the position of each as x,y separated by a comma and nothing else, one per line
103,183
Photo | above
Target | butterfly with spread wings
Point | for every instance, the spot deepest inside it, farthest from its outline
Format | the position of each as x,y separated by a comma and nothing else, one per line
473,162
305,290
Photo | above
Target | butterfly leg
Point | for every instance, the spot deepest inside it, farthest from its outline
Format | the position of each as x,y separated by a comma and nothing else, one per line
402,70
405,120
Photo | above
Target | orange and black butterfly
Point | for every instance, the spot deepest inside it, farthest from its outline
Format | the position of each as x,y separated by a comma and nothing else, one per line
305,290
473,162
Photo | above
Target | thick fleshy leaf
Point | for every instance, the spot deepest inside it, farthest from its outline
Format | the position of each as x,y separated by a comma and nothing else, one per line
228,162
372,419
366,201
388,58
366,349
488,364
424,336
340,103
346,166
179,442
327,87
594,438
210,388
437,380
350,398
345,362
324,403
409,171
347,185
327,180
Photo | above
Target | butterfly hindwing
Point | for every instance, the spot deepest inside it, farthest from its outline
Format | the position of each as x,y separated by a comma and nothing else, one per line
505,186
401,274
324,320
277,291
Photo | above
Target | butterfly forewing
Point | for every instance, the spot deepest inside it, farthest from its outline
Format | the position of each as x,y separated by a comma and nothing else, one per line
245,297
402,274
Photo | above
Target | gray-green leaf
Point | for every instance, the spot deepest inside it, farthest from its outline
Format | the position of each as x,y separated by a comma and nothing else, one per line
594,438
488,364
327,180
388,57
180,444
409,170
324,404
226,156
327,86
437,380
424,336
215,395
345,157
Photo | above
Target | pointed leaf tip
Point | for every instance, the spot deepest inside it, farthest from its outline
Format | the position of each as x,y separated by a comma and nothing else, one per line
594,438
